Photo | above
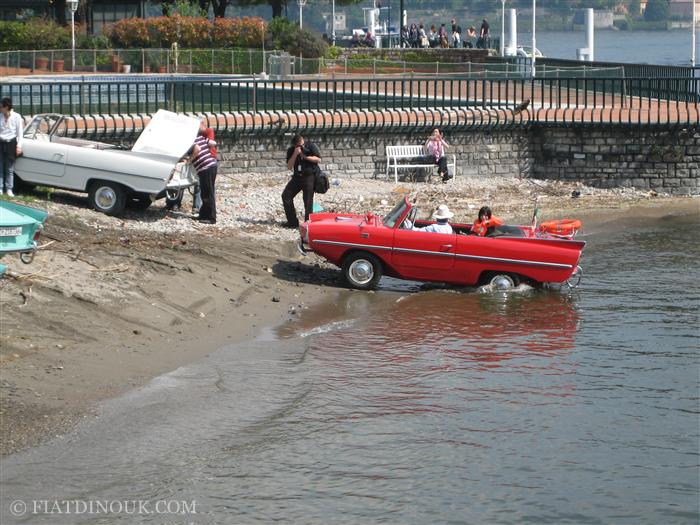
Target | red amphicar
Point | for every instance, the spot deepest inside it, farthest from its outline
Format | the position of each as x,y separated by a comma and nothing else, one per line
369,246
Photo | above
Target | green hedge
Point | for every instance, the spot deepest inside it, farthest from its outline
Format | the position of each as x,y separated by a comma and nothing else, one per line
37,33
161,32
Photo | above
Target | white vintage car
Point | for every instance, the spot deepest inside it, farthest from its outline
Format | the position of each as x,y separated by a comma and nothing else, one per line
111,177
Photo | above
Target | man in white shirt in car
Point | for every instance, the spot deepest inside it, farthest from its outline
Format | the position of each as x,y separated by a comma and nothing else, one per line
11,131
442,215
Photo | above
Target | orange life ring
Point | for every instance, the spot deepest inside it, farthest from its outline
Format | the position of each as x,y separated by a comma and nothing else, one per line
561,227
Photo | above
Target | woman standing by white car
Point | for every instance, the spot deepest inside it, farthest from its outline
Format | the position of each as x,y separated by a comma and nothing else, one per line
11,131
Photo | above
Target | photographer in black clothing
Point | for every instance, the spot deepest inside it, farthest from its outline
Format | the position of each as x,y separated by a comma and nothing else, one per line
484,36
302,159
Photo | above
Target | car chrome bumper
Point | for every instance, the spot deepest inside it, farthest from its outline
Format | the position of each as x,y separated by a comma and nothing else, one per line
303,248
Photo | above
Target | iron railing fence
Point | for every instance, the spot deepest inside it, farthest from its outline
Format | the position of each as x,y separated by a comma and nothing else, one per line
630,70
190,61
557,67
254,61
557,101
500,69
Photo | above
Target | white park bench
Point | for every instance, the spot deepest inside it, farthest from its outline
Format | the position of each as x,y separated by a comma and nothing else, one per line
415,155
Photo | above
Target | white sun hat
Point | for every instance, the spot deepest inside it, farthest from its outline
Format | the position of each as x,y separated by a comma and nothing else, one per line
443,212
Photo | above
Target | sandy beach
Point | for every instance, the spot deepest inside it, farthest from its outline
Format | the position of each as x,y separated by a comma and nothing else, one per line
110,303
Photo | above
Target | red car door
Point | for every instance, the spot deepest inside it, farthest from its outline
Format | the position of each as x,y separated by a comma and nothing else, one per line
423,256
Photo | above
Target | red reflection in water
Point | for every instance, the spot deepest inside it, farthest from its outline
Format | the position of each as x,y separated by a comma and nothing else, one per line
485,328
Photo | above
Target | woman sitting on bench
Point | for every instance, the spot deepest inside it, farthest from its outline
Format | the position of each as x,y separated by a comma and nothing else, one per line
436,146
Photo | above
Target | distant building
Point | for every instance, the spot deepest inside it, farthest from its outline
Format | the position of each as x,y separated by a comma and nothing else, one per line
683,8
602,18
102,11
18,9
107,12
340,23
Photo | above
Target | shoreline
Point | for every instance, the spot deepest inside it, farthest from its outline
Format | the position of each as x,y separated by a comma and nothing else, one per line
67,346
111,303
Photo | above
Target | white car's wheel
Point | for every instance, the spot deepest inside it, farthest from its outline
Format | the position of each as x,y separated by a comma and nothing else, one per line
362,270
107,197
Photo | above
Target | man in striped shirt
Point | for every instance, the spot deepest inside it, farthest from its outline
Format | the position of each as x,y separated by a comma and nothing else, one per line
206,165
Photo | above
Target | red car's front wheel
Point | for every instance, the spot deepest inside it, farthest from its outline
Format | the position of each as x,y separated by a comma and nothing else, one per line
362,270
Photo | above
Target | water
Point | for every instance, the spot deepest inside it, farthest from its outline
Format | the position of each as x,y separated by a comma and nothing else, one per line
415,406
644,47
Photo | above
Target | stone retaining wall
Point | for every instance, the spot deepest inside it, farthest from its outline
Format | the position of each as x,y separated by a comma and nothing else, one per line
362,155
666,161
606,157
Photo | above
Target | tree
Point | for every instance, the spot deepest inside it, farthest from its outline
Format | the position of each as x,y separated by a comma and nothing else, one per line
219,7
656,11
278,5
635,8
60,10
283,34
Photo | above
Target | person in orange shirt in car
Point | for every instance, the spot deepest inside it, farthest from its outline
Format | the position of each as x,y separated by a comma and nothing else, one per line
485,220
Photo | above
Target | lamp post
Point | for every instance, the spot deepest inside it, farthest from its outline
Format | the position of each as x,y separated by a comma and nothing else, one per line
302,3
333,23
503,26
692,52
534,40
73,5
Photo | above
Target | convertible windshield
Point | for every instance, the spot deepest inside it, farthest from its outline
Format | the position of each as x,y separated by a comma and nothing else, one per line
395,214
40,127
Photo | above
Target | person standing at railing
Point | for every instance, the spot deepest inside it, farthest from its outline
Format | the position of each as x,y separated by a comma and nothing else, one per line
404,37
422,36
444,43
413,35
484,35
456,34
436,146
456,38
470,41
433,38
11,133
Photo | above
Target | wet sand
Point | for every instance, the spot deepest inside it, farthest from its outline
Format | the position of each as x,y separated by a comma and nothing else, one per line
100,312
106,307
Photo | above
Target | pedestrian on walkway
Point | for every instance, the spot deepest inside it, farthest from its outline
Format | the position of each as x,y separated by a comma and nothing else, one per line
482,43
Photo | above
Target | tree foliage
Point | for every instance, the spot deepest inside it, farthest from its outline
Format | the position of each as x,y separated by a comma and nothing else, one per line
188,32
35,33
283,34
657,10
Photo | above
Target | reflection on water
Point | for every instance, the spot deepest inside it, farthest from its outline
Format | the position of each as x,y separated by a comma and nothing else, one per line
425,407
470,326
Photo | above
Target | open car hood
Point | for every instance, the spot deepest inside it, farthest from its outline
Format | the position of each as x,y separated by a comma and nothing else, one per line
168,134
